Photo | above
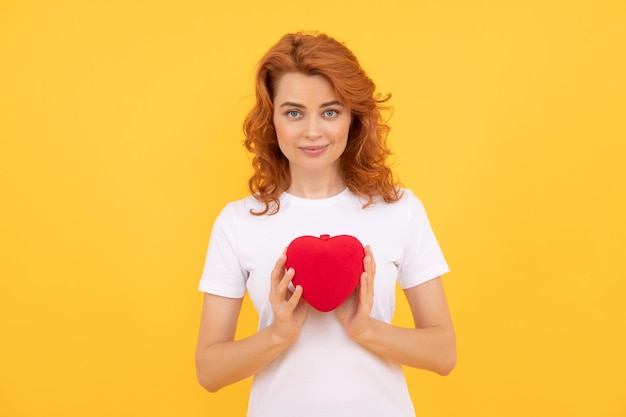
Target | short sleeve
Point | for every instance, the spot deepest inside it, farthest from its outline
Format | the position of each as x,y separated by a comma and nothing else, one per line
422,258
222,274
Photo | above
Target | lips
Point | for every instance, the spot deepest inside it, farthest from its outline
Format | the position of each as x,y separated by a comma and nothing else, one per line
314,150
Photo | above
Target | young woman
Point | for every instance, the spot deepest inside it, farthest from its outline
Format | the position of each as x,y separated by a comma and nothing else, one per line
318,141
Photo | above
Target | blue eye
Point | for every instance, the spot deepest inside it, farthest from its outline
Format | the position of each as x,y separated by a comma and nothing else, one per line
292,114
331,113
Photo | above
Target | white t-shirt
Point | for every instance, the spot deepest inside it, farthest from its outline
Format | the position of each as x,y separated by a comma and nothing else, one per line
324,373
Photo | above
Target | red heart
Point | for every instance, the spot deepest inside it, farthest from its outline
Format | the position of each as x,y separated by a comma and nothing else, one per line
327,268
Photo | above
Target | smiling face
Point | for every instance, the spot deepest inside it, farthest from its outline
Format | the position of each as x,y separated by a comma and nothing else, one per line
312,126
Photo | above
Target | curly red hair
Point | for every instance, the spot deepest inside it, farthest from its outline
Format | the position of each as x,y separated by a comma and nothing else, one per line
363,164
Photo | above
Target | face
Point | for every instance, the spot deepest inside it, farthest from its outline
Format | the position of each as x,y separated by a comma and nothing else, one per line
311,124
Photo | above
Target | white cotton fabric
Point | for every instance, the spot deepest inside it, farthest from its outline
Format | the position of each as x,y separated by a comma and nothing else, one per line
324,373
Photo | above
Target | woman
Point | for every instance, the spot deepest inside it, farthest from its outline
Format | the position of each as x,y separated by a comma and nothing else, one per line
318,141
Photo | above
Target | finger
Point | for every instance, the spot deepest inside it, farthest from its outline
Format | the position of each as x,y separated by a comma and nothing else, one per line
365,287
369,265
292,303
366,284
283,285
279,268
367,258
275,277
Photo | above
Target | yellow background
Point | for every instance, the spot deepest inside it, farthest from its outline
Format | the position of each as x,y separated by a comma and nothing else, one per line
120,141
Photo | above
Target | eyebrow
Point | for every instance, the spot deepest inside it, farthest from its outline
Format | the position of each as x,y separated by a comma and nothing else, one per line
301,106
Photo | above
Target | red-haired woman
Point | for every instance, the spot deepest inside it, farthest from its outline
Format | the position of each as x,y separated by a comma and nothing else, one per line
318,141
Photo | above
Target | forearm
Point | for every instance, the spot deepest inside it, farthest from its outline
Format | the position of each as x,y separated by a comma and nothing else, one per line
224,363
431,348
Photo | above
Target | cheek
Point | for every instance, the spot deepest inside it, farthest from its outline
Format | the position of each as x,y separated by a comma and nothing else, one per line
341,131
279,132
283,136
283,132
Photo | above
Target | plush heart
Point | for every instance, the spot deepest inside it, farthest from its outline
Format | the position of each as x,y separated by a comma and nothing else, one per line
327,268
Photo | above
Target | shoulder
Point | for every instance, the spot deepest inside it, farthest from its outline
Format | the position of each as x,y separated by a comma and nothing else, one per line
408,209
407,201
238,210
242,206
410,199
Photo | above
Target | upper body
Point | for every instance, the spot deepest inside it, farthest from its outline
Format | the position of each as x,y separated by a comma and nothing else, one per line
325,367
319,157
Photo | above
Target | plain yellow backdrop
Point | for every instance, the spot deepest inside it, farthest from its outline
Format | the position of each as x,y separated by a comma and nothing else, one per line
120,141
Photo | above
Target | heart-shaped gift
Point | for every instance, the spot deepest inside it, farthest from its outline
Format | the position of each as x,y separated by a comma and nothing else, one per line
327,268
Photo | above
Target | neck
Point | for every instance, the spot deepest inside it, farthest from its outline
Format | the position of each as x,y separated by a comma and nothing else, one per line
317,187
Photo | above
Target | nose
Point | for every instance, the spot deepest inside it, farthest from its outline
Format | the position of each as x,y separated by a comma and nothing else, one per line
313,129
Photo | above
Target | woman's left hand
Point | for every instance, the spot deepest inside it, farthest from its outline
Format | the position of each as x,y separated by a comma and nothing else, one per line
430,345
354,313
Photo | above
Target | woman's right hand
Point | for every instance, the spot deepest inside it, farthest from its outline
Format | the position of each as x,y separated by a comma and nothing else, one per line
289,308
220,359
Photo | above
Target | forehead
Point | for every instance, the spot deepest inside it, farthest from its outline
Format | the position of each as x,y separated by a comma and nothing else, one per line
292,85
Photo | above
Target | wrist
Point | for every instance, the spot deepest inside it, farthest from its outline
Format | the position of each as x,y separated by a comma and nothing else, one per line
361,333
279,338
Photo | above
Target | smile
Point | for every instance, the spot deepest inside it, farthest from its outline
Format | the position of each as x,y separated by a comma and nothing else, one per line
314,150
